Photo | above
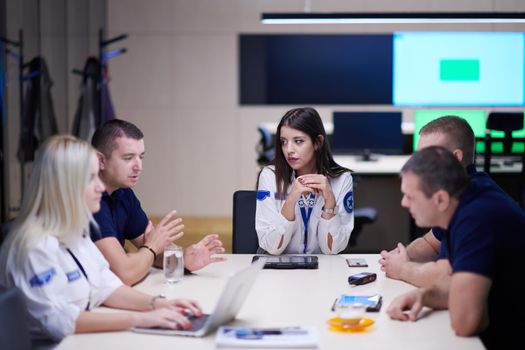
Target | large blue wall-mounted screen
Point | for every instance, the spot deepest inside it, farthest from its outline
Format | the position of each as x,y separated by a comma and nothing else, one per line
458,69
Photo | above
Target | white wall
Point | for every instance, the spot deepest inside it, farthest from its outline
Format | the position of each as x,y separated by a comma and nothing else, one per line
179,84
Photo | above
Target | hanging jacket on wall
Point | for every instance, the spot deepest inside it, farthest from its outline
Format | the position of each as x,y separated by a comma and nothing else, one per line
88,116
3,194
38,119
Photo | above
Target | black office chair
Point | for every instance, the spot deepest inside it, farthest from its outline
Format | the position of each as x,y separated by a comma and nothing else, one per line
245,240
501,121
265,148
507,122
362,216
14,332
4,230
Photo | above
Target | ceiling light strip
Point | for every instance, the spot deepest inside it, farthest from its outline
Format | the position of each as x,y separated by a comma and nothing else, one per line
388,18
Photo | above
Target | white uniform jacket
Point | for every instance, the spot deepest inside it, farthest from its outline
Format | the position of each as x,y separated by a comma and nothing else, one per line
55,288
271,224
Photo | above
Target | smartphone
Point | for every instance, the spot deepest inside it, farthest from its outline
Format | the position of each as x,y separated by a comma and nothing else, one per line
372,302
362,278
356,262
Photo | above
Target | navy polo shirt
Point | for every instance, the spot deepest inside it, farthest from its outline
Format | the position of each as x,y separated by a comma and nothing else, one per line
486,236
478,177
120,216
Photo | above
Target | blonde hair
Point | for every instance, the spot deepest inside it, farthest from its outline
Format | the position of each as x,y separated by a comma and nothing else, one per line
53,203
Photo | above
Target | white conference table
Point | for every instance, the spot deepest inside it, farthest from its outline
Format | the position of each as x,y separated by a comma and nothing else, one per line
290,298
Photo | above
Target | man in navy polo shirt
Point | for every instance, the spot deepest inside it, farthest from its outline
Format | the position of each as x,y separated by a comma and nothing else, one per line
120,147
482,242
419,262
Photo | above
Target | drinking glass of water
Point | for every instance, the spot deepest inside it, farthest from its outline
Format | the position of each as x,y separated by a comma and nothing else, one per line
350,313
173,263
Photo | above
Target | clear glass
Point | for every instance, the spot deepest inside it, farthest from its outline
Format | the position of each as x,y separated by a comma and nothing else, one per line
173,263
350,313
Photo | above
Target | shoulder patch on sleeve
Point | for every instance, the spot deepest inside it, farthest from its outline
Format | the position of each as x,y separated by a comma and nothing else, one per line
42,278
348,202
262,195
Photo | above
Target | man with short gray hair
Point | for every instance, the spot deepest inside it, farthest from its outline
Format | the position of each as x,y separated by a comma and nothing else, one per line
482,241
419,262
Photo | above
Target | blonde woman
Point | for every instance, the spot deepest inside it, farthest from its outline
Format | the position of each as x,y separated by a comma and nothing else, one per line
51,258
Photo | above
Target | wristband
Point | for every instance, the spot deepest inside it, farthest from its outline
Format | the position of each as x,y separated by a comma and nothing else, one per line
154,299
151,250
332,211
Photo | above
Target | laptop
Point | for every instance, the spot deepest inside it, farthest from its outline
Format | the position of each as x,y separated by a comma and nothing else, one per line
228,306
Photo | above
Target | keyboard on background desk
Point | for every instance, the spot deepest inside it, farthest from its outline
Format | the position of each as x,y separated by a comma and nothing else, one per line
501,164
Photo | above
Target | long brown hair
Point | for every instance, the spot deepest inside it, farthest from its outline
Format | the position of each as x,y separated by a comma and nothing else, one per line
307,120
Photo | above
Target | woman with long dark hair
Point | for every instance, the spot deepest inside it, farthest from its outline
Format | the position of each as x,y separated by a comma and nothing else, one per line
304,198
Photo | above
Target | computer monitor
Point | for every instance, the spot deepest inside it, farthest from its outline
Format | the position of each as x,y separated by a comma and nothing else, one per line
475,118
458,69
367,132
283,69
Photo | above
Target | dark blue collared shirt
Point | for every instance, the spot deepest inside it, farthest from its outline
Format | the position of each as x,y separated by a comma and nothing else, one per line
478,177
120,216
486,236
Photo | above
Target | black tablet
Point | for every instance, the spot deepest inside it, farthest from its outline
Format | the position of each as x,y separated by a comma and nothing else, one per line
289,261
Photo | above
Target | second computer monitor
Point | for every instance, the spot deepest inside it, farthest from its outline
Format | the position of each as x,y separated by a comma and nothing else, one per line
367,133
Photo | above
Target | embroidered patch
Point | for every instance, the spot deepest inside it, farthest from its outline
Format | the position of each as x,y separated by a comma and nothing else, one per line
348,202
262,195
73,275
42,278
308,201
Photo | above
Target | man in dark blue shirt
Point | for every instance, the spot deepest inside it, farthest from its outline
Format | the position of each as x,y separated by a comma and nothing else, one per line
120,147
482,241
419,263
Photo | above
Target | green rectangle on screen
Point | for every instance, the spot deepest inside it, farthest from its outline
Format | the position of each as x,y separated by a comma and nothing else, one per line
459,70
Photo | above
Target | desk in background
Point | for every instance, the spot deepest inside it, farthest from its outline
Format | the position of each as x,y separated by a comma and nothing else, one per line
377,184
289,298
387,164
380,165
406,127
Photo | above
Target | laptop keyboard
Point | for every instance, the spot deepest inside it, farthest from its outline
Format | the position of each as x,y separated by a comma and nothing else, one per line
197,322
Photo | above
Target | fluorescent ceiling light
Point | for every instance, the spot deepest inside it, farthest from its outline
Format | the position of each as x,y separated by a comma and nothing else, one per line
392,17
